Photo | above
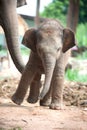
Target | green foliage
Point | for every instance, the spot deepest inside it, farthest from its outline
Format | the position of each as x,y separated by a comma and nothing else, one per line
82,55
83,11
74,75
81,34
57,9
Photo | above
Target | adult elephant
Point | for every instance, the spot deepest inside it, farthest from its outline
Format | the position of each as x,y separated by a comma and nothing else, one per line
9,23
49,45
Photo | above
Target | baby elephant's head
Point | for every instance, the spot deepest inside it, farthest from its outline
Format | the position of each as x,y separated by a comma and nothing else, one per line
31,37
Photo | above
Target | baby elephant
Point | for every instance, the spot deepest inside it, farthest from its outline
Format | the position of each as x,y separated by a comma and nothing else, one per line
49,44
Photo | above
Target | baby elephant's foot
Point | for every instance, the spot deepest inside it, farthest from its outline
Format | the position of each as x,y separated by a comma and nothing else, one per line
57,106
32,99
45,102
16,99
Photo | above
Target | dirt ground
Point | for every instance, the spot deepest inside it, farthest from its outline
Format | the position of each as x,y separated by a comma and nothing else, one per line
35,117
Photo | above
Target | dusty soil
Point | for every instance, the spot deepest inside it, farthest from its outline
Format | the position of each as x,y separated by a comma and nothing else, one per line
40,118
35,117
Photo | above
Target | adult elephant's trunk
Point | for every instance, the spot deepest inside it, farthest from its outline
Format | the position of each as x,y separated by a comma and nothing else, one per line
10,26
49,64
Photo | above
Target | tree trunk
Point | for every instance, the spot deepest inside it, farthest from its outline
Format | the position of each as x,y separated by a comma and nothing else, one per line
73,13
37,14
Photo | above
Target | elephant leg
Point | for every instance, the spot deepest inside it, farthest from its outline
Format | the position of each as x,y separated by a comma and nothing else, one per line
26,79
57,94
57,85
35,89
46,101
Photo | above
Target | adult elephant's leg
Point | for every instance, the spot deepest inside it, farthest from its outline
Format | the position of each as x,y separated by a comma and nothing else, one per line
57,86
9,22
35,88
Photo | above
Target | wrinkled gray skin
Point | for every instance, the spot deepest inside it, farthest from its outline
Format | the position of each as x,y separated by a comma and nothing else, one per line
49,44
9,23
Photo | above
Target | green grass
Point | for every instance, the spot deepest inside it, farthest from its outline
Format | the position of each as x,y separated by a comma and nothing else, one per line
16,128
82,56
74,75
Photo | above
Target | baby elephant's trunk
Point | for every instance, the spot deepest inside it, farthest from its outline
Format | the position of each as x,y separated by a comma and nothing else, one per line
49,64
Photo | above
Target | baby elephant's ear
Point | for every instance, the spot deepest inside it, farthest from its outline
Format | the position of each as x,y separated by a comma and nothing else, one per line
68,39
29,39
